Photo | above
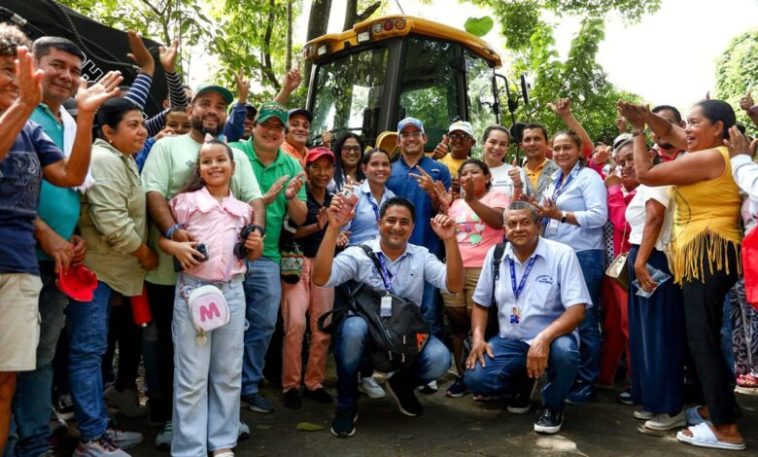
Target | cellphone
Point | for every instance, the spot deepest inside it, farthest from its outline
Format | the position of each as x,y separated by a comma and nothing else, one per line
199,248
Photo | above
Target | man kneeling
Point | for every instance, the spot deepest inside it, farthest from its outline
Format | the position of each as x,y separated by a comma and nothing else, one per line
405,267
541,298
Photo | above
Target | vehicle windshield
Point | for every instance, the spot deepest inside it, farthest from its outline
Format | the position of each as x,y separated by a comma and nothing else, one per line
349,93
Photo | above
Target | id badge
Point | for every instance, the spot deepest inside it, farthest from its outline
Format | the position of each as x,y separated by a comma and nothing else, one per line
386,306
552,227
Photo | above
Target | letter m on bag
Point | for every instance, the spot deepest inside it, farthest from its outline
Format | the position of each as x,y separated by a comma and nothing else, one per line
209,312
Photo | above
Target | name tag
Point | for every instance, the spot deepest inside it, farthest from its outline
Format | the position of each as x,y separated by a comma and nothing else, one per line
552,228
385,309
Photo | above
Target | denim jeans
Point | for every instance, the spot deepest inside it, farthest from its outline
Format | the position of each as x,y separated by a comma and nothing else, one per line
430,309
207,376
88,341
351,341
32,402
507,369
263,293
593,270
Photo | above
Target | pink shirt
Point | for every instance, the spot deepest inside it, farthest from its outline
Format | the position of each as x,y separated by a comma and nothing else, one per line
618,200
217,225
475,237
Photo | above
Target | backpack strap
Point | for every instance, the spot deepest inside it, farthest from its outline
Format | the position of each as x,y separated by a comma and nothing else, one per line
372,255
497,259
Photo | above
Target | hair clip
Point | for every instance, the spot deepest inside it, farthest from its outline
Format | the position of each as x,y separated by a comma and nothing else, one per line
208,138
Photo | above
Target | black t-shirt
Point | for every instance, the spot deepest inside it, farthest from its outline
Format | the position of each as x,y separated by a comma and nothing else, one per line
310,243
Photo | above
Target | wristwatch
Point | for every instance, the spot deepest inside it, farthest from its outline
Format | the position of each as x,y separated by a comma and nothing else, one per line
563,217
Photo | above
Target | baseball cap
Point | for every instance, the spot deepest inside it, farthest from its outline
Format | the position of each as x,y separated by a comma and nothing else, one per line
250,110
223,91
79,283
315,153
462,126
269,110
302,112
621,140
410,121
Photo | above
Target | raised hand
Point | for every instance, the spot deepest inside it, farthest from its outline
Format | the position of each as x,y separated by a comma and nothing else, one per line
561,107
515,174
444,197
467,186
746,102
601,154
443,226
612,180
327,138
140,54
737,142
293,187
442,148
339,212
28,79
424,180
168,56
292,80
243,86
89,99
635,114
549,209
273,191
621,124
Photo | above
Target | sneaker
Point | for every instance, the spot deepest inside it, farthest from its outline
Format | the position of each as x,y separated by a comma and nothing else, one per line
258,403
404,397
56,421
65,407
100,447
370,387
320,395
625,397
291,399
458,389
163,439
125,401
643,415
244,432
580,393
488,398
429,388
548,421
343,425
122,438
664,422
521,402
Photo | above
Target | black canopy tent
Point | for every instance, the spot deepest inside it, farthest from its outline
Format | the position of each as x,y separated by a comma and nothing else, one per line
105,47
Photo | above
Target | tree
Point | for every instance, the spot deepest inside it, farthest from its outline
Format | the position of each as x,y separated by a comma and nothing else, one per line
737,73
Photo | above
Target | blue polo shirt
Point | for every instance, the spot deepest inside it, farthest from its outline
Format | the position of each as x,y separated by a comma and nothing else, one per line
20,179
406,187
59,207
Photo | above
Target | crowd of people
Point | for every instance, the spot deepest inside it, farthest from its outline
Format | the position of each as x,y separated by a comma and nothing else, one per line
218,221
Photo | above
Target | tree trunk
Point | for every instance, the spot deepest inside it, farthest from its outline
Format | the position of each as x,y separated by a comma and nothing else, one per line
351,14
318,21
288,55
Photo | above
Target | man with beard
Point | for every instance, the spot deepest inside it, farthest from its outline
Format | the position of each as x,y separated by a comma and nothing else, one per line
167,168
668,151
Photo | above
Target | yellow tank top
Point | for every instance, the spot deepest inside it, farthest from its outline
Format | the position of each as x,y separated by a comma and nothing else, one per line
706,224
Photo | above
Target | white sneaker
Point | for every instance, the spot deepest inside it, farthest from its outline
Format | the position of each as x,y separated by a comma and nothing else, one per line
370,387
101,447
643,415
429,388
244,432
163,439
663,422
126,402
124,439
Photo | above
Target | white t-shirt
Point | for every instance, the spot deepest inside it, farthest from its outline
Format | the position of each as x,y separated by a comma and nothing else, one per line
501,182
635,213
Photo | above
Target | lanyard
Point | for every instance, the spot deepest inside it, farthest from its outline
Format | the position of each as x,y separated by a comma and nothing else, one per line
374,207
386,275
560,186
517,290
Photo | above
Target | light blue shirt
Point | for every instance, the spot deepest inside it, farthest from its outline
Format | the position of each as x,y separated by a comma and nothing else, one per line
363,226
554,284
583,193
409,271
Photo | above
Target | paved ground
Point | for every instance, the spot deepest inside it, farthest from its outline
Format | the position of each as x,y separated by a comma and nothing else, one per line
458,427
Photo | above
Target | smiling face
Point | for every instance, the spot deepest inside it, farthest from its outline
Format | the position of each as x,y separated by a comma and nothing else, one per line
215,165
460,144
473,172
130,133
411,141
320,172
268,135
179,122
565,152
495,148
299,127
378,168
350,153
207,113
534,144
701,132
62,72
395,227
625,160
521,229
8,85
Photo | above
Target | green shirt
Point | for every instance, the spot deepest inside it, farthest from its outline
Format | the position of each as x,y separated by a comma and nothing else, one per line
267,175
58,206
170,163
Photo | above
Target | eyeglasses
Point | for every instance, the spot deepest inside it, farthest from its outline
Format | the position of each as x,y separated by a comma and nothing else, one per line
353,148
411,134
459,136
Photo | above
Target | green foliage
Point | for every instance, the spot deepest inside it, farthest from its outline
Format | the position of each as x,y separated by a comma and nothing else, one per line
737,73
479,26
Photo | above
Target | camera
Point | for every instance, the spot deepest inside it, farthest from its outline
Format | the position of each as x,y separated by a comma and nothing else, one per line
199,248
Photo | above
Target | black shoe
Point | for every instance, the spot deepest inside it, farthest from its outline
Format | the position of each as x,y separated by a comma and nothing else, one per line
343,425
548,421
521,401
291,399
404,396
320,395
625,397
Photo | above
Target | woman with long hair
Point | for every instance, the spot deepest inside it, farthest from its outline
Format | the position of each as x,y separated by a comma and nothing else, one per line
348,151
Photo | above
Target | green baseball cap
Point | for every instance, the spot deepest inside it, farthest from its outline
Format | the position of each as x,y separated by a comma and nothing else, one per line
271,109
223,91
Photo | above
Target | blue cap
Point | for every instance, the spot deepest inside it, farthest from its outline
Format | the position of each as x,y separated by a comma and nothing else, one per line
410,121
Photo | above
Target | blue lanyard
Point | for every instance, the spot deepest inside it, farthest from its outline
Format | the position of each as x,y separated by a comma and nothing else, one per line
517,290
386,275
374,207
560,186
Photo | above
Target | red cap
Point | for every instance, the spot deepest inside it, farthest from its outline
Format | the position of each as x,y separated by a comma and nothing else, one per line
79,283
315,153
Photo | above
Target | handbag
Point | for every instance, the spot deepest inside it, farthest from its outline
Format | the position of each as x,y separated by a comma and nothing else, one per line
208,309
749,251
291,263
617,270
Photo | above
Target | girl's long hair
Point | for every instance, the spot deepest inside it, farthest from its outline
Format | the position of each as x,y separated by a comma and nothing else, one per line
339,171
195,181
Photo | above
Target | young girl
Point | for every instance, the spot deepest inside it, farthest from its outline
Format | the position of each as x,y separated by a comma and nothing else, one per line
208,368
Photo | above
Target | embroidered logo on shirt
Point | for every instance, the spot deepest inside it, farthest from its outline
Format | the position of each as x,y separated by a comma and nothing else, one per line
544,279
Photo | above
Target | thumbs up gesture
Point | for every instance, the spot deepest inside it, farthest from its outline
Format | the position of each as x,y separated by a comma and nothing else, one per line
442,148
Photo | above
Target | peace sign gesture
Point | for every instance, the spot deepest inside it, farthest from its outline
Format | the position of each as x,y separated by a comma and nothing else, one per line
424,180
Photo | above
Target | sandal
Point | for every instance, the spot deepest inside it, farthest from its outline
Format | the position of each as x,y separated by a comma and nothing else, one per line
693,417
703,436
747,381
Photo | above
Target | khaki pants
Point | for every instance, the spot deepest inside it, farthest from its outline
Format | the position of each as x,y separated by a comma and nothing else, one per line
19,321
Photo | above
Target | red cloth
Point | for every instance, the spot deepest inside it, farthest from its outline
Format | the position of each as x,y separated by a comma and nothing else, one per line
618,200
749,253
615,331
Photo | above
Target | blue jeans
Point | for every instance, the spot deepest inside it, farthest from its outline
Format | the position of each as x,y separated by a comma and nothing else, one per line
350,344
263,293
207,376
593,270
506,370
430,309
32,402
88,341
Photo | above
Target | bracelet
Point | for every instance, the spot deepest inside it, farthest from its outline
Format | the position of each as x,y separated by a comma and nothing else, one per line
171,230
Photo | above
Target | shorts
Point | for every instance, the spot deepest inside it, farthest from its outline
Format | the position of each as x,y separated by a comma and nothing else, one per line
19,321
465,298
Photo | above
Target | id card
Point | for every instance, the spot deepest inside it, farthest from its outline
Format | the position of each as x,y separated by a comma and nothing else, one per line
386,306
552,227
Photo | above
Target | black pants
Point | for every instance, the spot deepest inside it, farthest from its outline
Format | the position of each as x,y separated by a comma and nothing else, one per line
703,314
161,300
127,335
